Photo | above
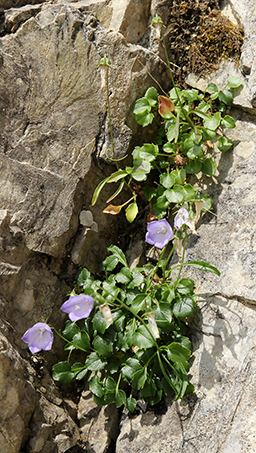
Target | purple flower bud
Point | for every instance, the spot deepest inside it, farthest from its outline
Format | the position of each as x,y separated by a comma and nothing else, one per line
78,307
39,337
181,218
159,233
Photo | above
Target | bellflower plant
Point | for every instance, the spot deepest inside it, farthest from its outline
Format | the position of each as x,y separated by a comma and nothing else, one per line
130,324
78,307
39,337
159,233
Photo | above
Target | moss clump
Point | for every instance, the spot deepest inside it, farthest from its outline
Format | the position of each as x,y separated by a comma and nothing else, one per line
199,36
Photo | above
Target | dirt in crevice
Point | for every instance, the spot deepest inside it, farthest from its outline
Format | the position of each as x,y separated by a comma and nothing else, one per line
199,36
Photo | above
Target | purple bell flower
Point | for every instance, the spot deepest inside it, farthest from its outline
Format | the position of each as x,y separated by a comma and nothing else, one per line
78,307
181,218
159,233
39,337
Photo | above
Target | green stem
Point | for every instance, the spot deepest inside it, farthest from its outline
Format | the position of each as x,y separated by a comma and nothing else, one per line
110,127
155,270
168,259
67,341
174,85
164,372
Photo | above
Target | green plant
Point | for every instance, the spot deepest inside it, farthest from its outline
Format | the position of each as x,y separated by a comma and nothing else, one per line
131,324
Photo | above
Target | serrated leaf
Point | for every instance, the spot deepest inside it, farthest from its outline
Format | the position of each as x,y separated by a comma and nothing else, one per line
143,338
118,253
70,330
61,372
131,211
82,340
99,323
203,266
94,362
124,276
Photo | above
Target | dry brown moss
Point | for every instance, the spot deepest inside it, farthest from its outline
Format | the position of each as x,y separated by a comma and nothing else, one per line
199,36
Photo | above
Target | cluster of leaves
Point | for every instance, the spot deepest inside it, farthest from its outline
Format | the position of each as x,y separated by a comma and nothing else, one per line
186,122
123,355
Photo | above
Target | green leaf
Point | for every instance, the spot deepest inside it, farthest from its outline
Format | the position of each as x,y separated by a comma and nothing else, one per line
99,322
207,202
175,195
209,167
224,144
131,404
208,134
96,386
167,180
120,398
203,266
151,95
194,166
83,277
144,120
180,176
204,106
162,202
70,330
129,331
171,133
139,303
131,211
169,148
177,129
79,370
103,346
137,279
82,340
140,169
234,82
178,353
214,122
189,192
226,96
98,190
124,276
118,253
183,306
195,151
143,339
147,152
228,122
61,372
110,263
212,87
117,176
163,316
185,286
94,362
131,368
142,106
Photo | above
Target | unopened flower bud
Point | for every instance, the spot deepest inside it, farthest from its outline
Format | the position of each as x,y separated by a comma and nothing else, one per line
105,310
104,64
153,325
157,23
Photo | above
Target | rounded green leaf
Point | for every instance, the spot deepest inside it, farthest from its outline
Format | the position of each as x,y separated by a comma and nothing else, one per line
212,87
167,180
224,144
142,106
194,166
228,122
151,95
144,119
183,306
234,82
94,362
214,122
175,195
209,167
61,372
131,211
226,96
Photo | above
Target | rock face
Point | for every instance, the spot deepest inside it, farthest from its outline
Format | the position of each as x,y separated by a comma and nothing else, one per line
54,129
